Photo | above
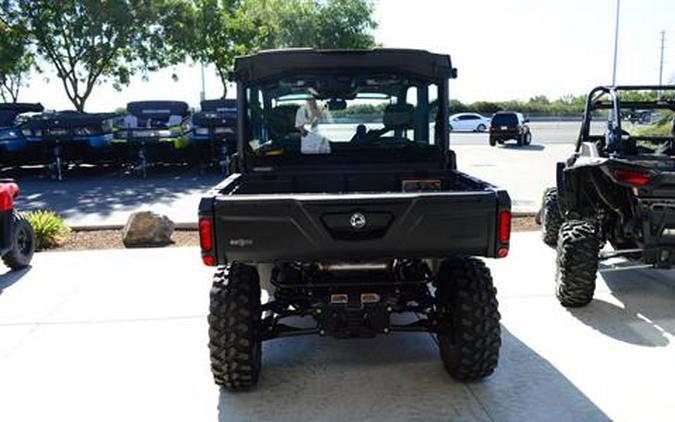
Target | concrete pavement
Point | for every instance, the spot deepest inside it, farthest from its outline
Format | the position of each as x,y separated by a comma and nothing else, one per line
523,171
121,335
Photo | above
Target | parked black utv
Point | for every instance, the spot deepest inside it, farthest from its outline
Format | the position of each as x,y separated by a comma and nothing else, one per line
618,187
349,218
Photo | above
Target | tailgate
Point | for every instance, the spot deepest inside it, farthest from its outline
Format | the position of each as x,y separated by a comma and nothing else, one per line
266,228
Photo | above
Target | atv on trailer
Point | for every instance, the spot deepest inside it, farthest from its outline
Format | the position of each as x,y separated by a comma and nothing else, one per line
154,132
617,187
348,218
213,132
62,138
14,147
17,239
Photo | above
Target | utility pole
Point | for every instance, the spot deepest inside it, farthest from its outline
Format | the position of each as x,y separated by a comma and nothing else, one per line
202,95
663,44
616,41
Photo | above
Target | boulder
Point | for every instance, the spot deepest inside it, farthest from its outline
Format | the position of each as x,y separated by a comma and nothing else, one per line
147,229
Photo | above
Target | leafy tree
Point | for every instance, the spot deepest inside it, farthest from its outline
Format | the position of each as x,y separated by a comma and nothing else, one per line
220,30
89,42
17,59
225,29
320,24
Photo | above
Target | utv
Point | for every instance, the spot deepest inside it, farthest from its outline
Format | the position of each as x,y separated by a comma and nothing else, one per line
213,132
617,187
14,147
154,132
347,219
17,239
506,126
62,138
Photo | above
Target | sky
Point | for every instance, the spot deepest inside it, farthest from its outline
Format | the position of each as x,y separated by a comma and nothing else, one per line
503,49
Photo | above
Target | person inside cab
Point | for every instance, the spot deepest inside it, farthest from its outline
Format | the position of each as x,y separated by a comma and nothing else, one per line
307,123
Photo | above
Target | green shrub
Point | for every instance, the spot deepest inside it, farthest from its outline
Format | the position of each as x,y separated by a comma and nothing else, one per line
50,229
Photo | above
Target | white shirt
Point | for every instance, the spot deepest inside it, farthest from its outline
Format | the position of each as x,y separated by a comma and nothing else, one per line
313,142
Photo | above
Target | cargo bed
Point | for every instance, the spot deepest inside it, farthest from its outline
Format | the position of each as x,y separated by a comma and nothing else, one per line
298,217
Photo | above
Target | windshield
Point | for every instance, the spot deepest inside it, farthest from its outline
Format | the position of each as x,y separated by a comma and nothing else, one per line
377,118
504,120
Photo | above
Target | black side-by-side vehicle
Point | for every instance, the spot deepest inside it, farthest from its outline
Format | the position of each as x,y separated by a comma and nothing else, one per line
17,239
617,187
358,223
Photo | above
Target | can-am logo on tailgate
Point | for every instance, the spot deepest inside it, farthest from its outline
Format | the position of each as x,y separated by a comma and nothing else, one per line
357,220
241,242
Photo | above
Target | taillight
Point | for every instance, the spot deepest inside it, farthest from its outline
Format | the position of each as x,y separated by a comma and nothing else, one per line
504,226
8,191
633,177
205,236
206,242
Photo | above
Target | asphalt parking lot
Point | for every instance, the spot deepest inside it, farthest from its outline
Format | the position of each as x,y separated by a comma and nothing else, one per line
121,335
102,196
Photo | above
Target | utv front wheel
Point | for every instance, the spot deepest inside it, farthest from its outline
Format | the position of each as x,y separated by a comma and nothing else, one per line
23,244
577,263
469,333
550,218
234,318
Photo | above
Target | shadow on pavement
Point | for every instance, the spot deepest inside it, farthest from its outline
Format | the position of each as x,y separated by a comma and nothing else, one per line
103,190
10,277
531,147
401,377
647,313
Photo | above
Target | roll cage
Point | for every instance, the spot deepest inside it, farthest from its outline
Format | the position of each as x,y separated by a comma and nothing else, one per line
269,66
608,98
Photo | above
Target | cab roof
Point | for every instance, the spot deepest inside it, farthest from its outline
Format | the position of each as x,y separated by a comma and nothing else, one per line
271,64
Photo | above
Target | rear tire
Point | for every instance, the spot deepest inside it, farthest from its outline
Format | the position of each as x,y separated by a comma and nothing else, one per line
481,128
551,220
528,138
492,142
234,319
23,244
577,263
469,334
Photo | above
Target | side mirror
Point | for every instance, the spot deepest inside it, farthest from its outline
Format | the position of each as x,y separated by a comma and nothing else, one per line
526,120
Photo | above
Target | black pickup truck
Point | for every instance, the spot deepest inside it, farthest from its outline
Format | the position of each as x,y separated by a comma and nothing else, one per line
347,207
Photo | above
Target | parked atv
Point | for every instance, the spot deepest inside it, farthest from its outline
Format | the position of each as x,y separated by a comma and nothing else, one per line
17,239
349,222
14,147
618,187
213,133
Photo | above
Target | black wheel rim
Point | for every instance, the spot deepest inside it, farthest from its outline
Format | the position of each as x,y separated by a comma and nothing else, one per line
24,242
